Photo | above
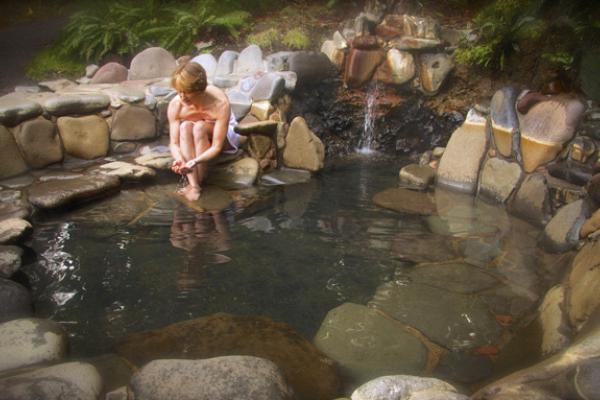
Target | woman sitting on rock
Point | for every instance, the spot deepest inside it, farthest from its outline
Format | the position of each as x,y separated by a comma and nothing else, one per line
200,126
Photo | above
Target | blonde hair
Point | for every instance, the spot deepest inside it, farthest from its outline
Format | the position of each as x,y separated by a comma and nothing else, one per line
189,77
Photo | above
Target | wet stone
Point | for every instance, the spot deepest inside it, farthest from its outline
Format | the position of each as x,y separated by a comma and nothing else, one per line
303,149
505,123
237,174
498,179
406,201
464,367
127,171
18,182
15,301
562,232
455,277
25,342
584,284
405,387
419,175
285,176
14,205
13,230
532,200
10,260
453,320
160,161
422,247
11,161
68,104
15,109
60,193
366,345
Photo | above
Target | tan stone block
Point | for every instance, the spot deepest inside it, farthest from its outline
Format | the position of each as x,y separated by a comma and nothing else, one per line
584,284
39,142
536,153
262,109
84,137
11,161
502,139
303,148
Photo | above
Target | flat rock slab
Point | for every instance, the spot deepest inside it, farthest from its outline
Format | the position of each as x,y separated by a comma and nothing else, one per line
406,201
241,173
366,345
307,370
74,380
10,260
14,207
15,109
212,198
220,378
160,161
14,229
29,341
286,176
66,104
127,171
453,320
59,193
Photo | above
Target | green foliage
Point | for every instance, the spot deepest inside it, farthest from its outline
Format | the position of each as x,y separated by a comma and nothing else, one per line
264,39
296,39
51,63
561,60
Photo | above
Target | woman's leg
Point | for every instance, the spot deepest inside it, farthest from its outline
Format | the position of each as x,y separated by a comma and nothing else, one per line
201,133
188,151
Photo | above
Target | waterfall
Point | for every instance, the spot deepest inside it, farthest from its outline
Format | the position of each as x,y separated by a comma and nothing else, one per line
366,141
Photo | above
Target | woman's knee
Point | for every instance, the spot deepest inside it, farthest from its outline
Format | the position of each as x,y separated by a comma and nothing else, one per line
200,131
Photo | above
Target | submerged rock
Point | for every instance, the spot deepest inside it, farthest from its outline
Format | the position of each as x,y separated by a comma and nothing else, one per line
406,387
59,193
562,232
406,201
220,378
307,370
499,179
584,284
532,200
15,301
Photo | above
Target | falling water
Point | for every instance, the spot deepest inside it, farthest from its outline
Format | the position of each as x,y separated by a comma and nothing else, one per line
365,144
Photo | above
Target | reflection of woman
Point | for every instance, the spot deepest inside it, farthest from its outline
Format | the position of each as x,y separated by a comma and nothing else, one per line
206,232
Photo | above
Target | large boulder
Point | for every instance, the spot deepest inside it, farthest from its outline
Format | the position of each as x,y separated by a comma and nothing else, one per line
306,369
208,62
154,62
11,161
498,179
562,232
29,341
12,230
546,127
532,200
303,149
366,345
459,169
504,120
240,173
250,61
133,123
584,284
111,72
221,378
398,67
84,137
310,67
406,387
269,87
57,193
361,65
39,142
15,301
433,71
73,380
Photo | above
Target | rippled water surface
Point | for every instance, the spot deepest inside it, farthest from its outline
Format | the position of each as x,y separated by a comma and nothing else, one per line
143,260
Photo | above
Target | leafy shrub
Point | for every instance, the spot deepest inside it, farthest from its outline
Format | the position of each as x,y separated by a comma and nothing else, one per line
296,39
51,63
264,39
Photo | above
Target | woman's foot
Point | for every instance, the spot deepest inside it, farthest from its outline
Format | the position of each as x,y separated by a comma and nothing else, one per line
190,192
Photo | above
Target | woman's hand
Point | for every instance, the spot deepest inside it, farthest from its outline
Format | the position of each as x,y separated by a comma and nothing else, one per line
177,166
188,166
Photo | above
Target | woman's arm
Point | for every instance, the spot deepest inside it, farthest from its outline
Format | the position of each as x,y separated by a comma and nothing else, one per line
174,124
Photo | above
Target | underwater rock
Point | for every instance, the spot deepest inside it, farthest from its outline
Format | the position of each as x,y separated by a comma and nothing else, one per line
546,127
127,171
505,123
10,260
73,380
303,149
15,301
11,161
406,201
459,169
240,173
285,176
422,247
29,341
220,378
15,109
532,200
406,387
562,232
39,142
84,137
111,72
454,276
419,175
554,321
366,345
307,370
153,62
133,123
498,179
584,284
60,193
157,160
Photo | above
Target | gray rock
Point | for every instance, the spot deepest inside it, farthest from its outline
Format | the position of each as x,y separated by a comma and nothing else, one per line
226,81
406,387
587,379
90,70
59,193
68,104
278,61
310,67
453,320
127,171
29,341
408,43
584,284
154,62
129,93
464,367
74,380
498,179
231,377
39,142
290,78
415,174
159,90
10,260
246,84
15,301
226,63
366,345
562,232
14,229
208,62
240,103
505,123
240,173
418,27
459,169
303,149
250,61
133,123
285,176
269,87
156,160
18,182
11,161
14,109
433,70
84,137
556,332
57,85
422,247
532,200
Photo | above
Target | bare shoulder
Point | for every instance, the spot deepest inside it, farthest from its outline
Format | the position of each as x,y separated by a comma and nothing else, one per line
221,101
174,107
